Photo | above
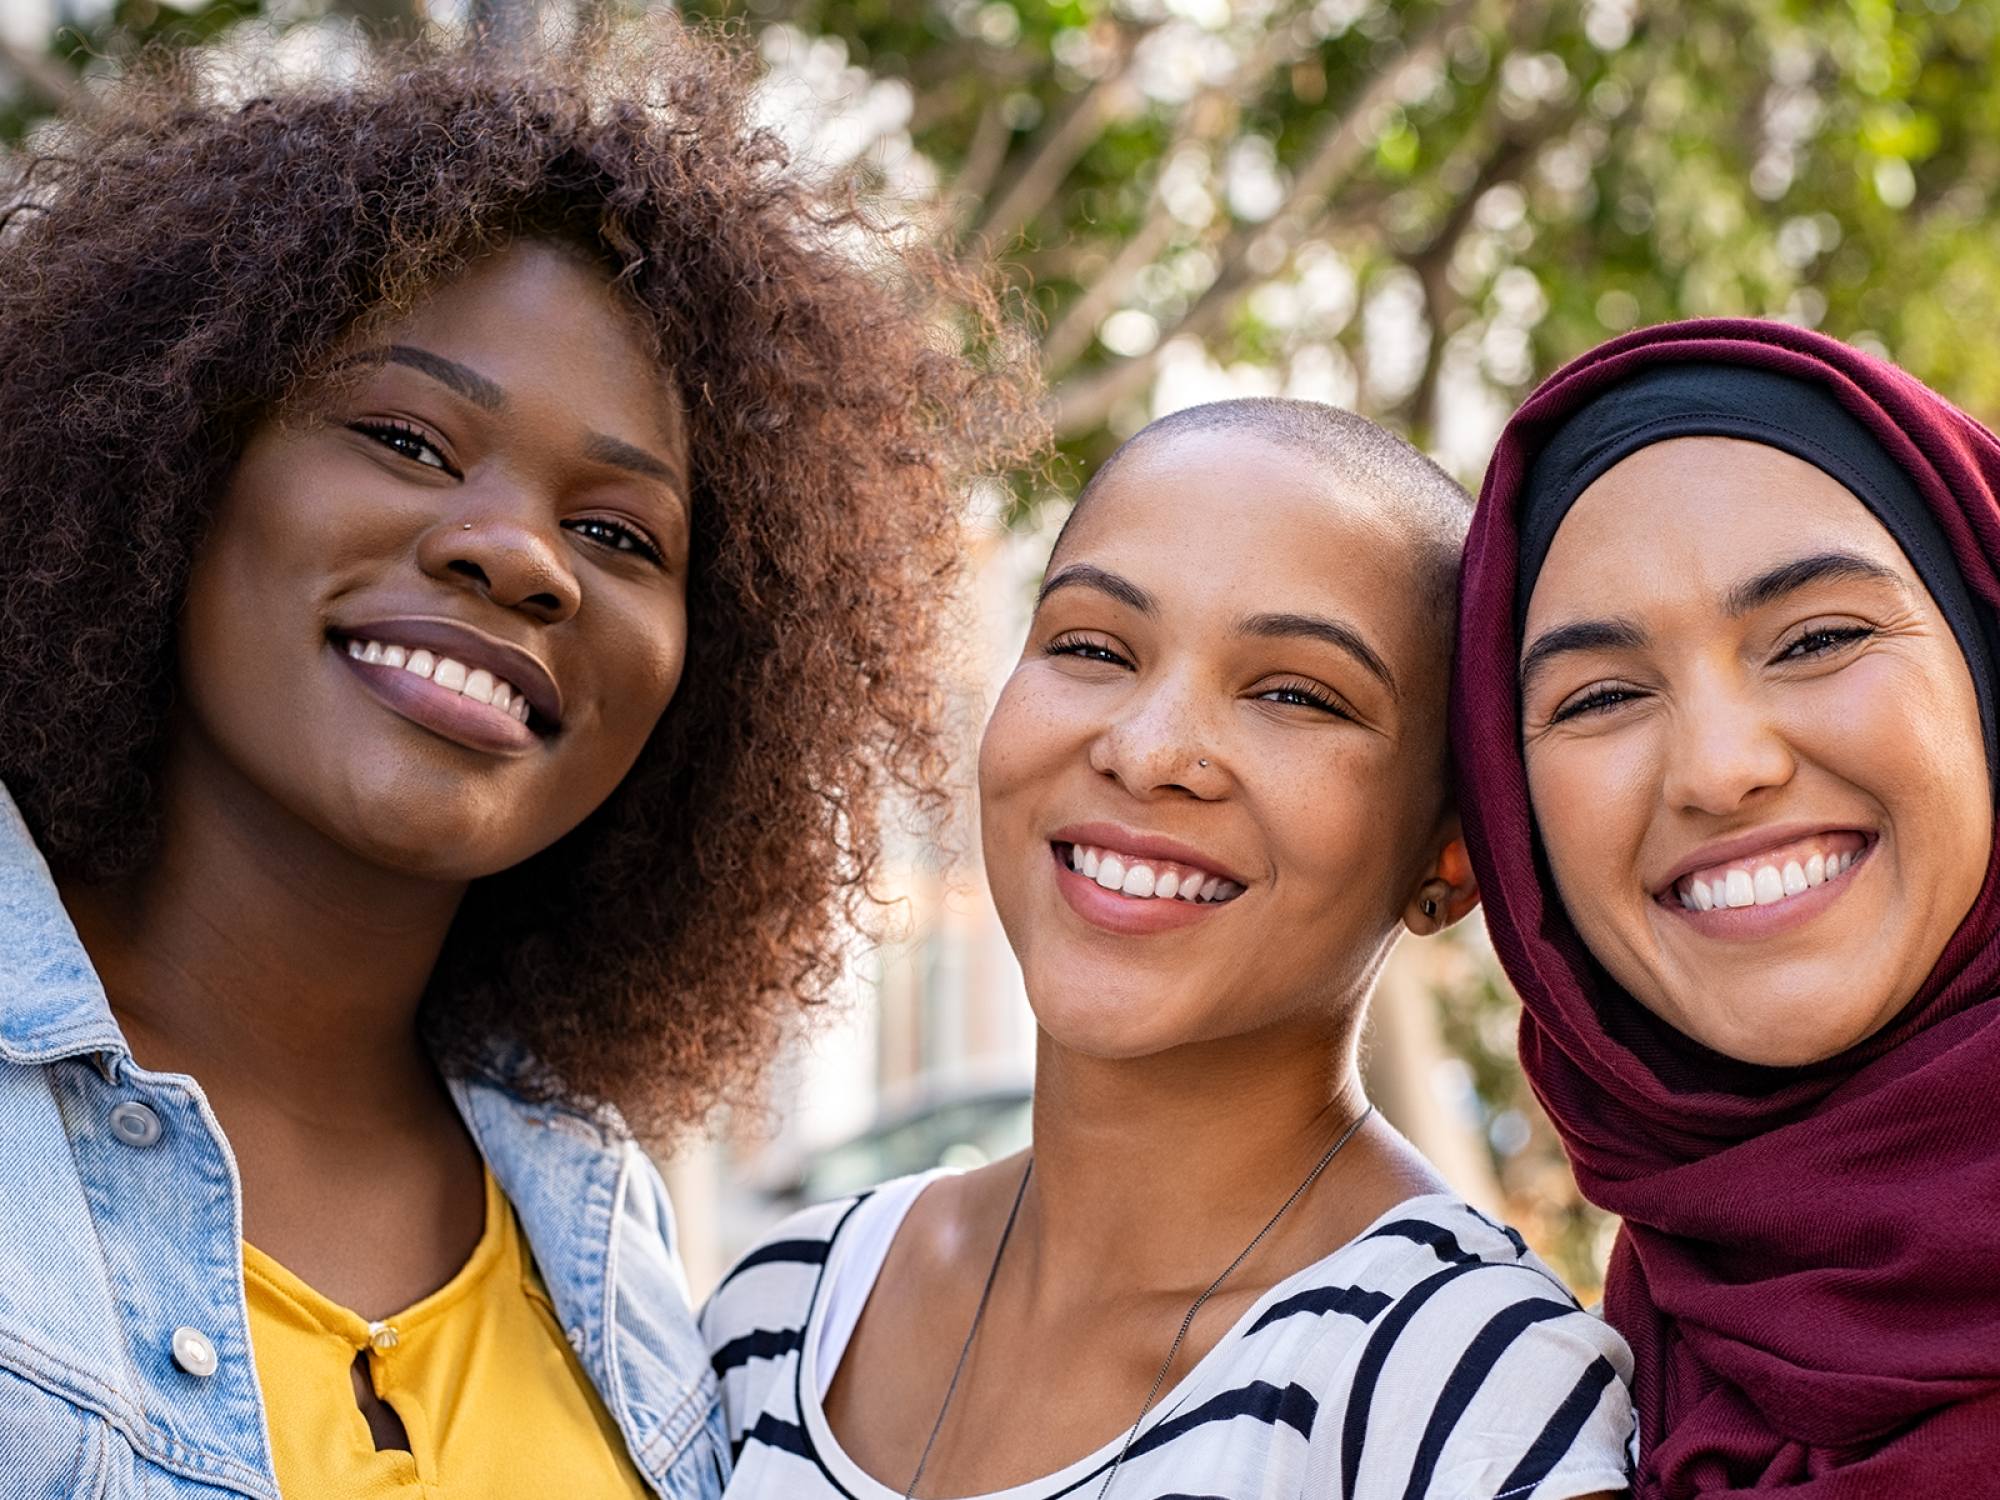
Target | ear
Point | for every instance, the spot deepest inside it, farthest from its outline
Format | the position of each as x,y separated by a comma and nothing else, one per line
1448,892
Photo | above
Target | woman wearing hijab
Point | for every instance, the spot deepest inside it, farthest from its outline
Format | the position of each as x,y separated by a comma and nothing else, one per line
1724,712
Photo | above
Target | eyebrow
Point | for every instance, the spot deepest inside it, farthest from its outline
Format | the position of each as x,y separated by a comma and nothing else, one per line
1790,577
470,384
1084,576
1317,628
613,450
1584,635
490,396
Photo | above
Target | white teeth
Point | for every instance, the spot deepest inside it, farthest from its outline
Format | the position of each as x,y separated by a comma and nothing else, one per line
1767,884
1140,881
475,683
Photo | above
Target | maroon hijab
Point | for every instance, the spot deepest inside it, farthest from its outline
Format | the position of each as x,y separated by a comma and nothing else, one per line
1809,1272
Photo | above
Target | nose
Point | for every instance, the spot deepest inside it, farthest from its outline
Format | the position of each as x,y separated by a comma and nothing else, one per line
1162,742
1723,748
504,541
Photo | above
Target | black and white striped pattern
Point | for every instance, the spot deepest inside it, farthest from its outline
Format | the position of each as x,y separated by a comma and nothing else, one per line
1431,1357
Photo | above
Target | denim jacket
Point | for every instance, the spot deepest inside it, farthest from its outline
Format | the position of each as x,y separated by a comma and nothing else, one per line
120,1235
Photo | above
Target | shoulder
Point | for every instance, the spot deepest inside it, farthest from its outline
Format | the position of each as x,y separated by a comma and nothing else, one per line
1459,1364
775,1279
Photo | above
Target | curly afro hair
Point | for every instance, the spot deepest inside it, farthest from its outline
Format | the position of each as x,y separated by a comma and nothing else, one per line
175,269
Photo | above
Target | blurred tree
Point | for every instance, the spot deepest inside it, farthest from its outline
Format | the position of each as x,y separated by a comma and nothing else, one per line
1416,209
1479,1016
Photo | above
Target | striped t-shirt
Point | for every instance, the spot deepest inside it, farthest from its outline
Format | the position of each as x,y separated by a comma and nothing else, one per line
1432,1356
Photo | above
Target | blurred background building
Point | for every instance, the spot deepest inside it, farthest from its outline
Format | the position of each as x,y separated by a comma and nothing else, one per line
1412,208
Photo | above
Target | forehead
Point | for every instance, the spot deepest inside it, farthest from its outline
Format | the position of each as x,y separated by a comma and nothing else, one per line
1229,521
540,318
1684,521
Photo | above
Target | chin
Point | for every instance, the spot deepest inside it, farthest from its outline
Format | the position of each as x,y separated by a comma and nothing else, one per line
415,841
1790,1034
1113,1030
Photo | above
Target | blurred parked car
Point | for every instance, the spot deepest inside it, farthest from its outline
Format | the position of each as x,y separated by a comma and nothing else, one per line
962,1130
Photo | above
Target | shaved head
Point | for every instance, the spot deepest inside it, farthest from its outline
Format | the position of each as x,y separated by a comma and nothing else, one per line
1351,451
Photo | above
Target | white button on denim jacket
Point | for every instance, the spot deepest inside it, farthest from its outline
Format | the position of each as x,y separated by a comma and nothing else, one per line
125,1362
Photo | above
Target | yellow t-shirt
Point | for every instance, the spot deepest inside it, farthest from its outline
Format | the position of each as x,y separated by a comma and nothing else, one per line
494,1401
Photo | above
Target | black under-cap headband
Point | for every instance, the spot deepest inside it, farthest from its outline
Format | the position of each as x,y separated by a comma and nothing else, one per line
1760,406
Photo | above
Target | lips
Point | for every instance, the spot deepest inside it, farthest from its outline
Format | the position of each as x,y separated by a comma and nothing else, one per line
1137,884
1779,871
459,682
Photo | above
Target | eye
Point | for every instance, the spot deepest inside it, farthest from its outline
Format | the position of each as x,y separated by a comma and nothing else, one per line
1084,648
410,442
1598,698
1302,694
1824,640
614,534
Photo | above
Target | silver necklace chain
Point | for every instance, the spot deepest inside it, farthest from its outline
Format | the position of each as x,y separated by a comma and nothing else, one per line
993,1271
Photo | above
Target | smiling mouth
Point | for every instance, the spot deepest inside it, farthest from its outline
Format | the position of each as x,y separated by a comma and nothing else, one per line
1147,879
475,683
1773,876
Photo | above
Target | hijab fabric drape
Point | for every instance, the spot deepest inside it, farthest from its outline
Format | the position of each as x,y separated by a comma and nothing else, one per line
1809,1272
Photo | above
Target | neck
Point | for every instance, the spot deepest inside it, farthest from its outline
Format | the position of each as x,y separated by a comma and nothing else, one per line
1149,1168
260,957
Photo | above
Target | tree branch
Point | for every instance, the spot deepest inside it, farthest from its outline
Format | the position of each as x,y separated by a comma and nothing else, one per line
1060,146
1078,326
1073,333
1081,405
983,160
1433,262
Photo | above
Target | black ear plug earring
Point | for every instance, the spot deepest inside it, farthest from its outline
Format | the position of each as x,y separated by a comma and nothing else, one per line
1430,908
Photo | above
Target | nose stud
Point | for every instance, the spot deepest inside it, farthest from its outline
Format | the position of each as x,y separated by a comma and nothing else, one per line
1204,762
468,526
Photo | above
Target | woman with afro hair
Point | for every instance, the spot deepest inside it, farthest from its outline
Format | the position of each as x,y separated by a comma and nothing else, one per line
470,539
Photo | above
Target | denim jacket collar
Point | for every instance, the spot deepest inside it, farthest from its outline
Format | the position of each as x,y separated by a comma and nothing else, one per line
51,1004
76,1317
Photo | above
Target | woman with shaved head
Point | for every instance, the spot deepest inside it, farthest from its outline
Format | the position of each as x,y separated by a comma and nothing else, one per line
1212,795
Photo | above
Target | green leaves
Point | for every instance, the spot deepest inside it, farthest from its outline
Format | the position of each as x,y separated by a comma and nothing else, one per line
1164,181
